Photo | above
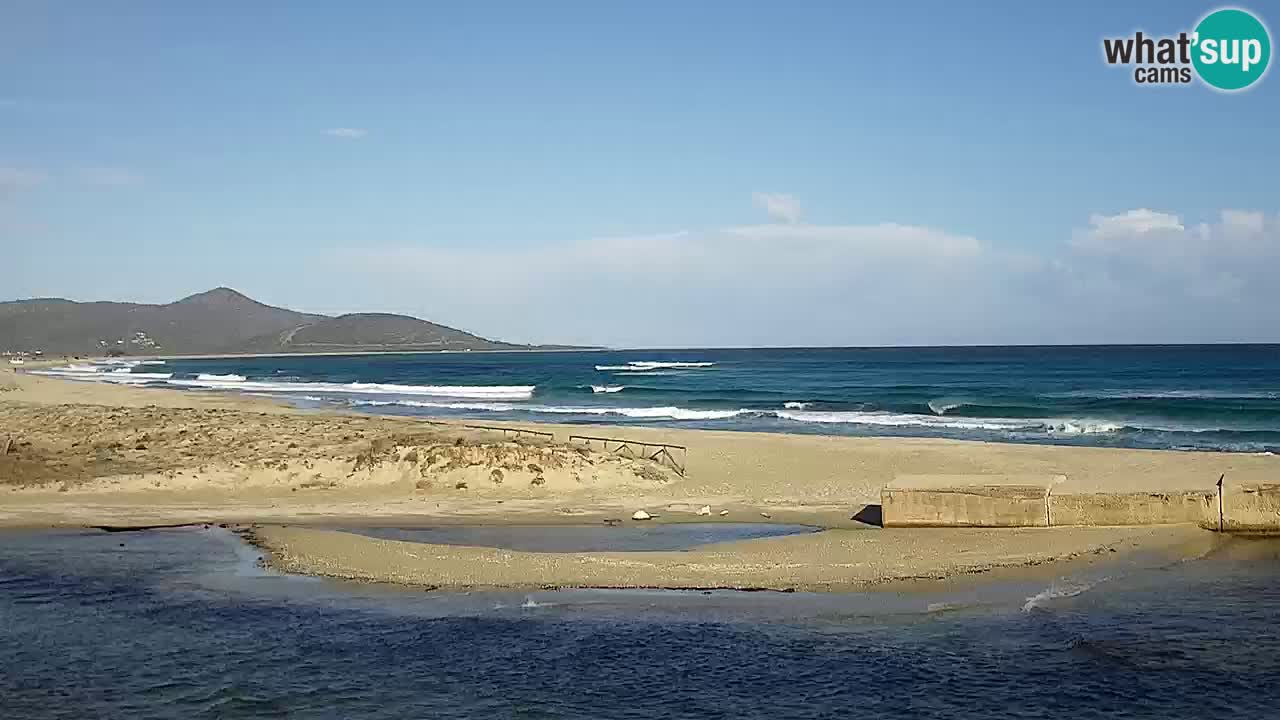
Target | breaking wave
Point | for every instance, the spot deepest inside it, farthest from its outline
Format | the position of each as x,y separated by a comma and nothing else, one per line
495,392
654,365
670,412
230,377
941,406
120,372
607,388
650,413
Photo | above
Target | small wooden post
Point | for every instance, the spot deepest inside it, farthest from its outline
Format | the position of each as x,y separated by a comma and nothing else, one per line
1221,521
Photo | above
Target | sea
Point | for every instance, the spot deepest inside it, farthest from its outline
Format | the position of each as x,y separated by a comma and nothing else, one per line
185,623
1184,397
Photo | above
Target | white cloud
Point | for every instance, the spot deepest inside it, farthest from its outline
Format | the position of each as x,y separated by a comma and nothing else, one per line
1133,222
109,177
346,132
763,284
779,206
1139,276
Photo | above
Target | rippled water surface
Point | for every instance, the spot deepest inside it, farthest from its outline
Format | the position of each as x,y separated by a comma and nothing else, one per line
181,623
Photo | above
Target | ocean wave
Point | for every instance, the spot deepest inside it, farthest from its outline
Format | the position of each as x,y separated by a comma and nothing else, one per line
1188,394
891,419
607,388
119,376
152,362
643,373
877,419
133,377
1084,427
495,392
229,377
655,365
648,413
941,406
793,405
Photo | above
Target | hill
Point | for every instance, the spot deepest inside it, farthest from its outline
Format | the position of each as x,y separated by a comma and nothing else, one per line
219,321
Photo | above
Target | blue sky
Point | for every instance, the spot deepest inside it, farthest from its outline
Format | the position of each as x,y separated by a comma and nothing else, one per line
658,173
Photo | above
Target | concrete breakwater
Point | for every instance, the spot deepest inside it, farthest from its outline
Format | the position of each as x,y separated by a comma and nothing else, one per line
1060,500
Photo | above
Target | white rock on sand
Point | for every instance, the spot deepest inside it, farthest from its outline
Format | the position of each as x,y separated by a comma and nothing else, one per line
704,510
640,515
723,513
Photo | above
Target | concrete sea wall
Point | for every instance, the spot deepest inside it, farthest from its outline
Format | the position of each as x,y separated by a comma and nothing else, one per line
1056,501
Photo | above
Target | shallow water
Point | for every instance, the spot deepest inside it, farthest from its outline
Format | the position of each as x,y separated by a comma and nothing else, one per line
588,538
181,623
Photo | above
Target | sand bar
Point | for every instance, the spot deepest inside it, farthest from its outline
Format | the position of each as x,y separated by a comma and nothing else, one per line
825,561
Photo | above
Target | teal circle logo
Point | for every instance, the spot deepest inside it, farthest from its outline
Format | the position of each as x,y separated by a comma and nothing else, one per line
1231,49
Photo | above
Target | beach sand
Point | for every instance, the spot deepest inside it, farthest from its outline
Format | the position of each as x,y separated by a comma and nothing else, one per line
91,454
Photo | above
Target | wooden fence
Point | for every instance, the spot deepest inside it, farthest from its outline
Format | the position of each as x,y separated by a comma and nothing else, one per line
673,456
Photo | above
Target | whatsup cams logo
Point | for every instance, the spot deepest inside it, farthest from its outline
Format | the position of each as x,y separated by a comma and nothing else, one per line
1228,50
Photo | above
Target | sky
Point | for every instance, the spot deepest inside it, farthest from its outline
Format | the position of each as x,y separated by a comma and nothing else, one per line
644,173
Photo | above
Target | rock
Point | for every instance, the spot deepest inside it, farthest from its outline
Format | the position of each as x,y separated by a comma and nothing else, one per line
765,515
538,480
723,513
640,515
704,510
496,476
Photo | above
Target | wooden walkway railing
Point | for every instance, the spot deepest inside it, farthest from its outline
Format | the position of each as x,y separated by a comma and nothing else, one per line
673,456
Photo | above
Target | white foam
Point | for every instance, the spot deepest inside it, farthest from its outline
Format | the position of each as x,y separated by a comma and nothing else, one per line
889,419
650,413
102,374
793,405
127,377
644,373
1054,592
607,388
654,365
668,412
1083,427
152,362
495,392
676,413
229,377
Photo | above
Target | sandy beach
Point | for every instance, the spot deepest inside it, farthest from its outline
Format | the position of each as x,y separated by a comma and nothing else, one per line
92,454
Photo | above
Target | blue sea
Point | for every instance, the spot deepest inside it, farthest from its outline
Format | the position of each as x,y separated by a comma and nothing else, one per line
183,624
1221,397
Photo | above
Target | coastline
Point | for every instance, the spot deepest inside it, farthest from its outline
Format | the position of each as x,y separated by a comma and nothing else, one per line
98,454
